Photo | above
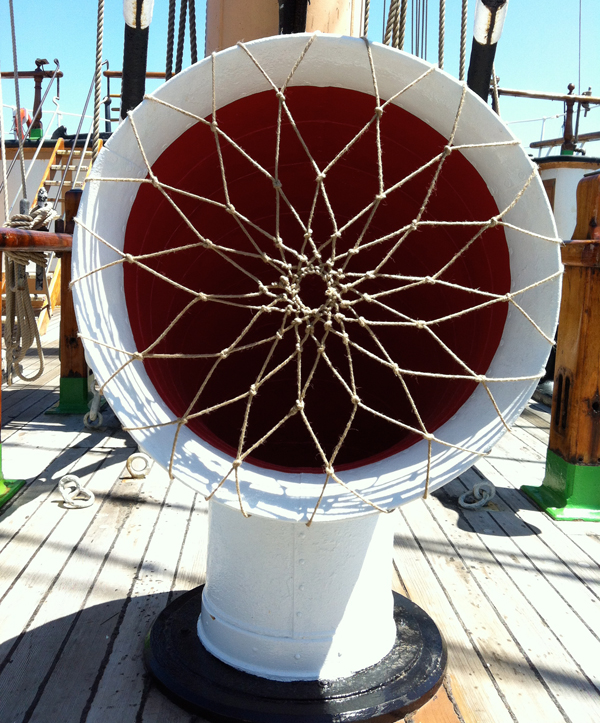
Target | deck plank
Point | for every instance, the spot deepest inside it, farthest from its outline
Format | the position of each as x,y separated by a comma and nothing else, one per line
552,641
32,659
67,696
125,684
483,703
487,599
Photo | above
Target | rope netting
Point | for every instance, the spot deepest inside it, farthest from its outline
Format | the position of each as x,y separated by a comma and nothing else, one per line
310,327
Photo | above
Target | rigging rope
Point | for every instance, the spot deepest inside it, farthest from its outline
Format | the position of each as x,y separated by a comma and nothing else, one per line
402,33
98,81
3,152
170,40
19,120
442,34
463,40
394,4
193,41
366,21
181,37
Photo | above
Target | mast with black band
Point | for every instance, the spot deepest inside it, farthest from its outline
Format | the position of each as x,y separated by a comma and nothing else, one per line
138,16
489,21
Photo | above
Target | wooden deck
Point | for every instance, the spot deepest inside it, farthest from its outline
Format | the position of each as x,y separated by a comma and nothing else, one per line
516,595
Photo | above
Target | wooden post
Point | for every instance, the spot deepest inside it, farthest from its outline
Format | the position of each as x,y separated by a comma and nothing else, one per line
74,395
229,21
571,487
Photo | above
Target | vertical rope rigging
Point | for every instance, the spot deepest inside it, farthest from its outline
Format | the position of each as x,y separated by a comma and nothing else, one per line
3,151
442,33
98,81
402,33
391,20
19,122
170,40
181,37
463,40
193,41
366,20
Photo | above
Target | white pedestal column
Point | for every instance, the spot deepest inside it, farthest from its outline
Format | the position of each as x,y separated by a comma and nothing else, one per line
290,602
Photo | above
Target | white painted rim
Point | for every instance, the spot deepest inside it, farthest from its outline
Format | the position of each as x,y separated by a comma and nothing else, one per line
338,62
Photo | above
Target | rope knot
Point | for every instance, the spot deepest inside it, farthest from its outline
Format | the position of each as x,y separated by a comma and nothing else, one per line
337,234
266,258
508,297
253,390
380,197
299,405
138,356
428,436
280,96
479,378
129,258
370,274
447,150
420,324
278,242
230,208
367,297
276,183
202,296
214,126
352,252
396,369
328,324
362,321
355,399
414,225
279,335
320,178
224,354
321,350
378,111
329,470
236,463
494,221
429,280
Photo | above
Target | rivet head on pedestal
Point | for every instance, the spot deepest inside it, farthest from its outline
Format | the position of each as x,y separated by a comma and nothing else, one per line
297,656
301,562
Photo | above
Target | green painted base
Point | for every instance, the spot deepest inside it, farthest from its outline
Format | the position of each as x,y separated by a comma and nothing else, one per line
74,397
35,134
8,489
569,491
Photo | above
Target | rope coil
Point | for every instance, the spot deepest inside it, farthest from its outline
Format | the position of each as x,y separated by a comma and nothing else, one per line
74,495
479,496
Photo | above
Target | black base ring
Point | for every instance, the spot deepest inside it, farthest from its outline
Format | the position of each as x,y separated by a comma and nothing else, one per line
401,682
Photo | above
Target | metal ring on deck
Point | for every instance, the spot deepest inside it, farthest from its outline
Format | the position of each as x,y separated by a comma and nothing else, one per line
132,466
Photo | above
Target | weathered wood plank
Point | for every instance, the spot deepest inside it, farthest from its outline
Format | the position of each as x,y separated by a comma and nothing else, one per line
492,609
554,639
553,533
31,659
67,696
124,683
483,703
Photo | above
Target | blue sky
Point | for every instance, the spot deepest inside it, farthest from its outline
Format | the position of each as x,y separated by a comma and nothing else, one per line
539,50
